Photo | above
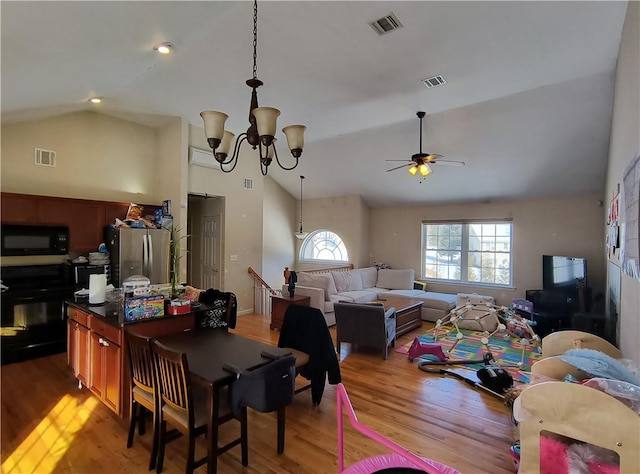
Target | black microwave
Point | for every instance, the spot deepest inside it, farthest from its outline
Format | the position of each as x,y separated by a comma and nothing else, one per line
22,240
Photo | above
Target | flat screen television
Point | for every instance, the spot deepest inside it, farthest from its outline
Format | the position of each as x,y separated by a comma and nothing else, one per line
563,272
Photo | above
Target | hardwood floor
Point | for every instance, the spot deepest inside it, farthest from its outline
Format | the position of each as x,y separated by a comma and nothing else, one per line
49,425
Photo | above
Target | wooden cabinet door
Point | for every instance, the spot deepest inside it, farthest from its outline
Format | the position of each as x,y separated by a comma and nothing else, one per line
96,372
72,346
84,218
112,375
82,346
18,208
77,350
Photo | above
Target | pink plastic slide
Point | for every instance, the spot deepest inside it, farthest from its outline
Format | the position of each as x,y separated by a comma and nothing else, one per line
400,457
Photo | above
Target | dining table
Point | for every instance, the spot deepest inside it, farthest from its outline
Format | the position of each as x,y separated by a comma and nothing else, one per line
208,350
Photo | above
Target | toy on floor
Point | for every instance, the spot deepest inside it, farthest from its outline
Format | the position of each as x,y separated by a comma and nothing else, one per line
487,315
419,348
399,457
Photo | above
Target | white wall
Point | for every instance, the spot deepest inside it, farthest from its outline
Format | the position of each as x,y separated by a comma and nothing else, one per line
624,147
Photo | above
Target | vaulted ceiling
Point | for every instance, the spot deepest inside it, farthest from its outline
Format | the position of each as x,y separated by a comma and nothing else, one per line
526,105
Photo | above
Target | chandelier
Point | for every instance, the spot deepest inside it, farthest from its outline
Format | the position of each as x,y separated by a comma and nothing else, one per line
262,126
300,235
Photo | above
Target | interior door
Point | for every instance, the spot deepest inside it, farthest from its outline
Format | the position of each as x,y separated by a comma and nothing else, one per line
210,252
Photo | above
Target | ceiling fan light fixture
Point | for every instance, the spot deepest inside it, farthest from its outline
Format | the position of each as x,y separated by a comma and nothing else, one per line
413,170
425,169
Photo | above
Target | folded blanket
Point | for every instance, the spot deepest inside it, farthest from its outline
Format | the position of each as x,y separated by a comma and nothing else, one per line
599,364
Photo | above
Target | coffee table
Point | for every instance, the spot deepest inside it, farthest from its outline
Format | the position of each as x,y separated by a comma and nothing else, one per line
408,312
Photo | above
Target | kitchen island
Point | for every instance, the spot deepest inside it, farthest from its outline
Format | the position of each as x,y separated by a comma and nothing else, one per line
96,346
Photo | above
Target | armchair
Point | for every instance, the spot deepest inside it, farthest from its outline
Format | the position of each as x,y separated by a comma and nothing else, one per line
367,325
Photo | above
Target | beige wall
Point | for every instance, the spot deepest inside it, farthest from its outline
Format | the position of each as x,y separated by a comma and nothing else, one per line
347,216
278,238
243,215
98,157
571,227
624,147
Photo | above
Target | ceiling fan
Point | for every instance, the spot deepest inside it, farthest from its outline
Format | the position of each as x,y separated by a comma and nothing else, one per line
420,161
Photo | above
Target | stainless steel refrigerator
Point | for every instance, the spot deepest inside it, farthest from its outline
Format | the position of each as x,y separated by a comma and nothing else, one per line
138,252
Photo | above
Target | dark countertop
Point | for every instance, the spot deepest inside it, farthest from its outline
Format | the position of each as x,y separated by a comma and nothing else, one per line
112,312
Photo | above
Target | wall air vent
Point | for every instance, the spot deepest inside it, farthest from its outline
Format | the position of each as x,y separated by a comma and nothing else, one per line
385,24
204,158
248,184
45,157
434,81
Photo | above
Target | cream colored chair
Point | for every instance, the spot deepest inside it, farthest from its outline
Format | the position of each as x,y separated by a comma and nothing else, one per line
557,343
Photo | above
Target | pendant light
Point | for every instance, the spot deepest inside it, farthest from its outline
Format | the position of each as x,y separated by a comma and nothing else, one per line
300,235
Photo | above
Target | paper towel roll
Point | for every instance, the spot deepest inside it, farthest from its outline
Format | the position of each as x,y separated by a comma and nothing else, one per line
97,288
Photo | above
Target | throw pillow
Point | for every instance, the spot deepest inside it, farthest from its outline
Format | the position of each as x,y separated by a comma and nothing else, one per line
369,276
322,280
395,279
347,281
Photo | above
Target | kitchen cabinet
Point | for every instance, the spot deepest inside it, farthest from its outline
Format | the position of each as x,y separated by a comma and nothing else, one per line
85,218
18,208
97,353
104,355
78,345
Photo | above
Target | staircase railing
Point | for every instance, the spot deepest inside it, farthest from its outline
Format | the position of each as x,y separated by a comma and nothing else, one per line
262,293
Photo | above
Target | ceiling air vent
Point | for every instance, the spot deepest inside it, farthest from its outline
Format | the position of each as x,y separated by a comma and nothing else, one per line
248,183
434,81
385,24
45,157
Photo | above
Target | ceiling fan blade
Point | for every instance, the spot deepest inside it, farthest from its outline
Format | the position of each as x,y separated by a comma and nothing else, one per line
395,160
401,166
448,163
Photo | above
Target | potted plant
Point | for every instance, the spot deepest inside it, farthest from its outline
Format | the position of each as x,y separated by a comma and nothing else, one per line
175,257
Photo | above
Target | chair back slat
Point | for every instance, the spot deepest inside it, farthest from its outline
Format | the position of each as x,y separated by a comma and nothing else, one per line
173,379
141,362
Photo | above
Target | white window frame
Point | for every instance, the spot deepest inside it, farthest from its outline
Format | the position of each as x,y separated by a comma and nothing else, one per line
309,241
465,251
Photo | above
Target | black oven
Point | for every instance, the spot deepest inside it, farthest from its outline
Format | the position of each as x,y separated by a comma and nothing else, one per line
33,319
28,240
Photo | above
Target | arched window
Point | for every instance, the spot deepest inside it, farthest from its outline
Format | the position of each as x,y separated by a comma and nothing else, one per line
324,246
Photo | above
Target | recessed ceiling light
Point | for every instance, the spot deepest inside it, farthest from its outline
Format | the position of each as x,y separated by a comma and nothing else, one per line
96,100
163,48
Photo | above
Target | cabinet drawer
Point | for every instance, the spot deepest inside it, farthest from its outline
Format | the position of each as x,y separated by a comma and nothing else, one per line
77,315
105,330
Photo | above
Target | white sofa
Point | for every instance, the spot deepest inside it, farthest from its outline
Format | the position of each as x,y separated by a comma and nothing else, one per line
362,285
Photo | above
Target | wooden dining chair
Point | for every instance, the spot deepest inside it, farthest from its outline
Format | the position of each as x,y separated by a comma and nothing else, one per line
185,407
144,395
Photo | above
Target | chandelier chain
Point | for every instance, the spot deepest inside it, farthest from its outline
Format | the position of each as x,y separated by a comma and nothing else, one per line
255,39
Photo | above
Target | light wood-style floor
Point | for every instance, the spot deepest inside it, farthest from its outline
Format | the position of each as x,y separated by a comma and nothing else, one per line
49,425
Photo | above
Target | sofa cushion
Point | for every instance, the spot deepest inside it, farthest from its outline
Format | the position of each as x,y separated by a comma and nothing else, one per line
369,276
442,301
347,281
321,280
395,279
359,296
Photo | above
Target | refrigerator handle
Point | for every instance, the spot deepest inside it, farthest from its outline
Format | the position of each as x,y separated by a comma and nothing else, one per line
150,250
145,255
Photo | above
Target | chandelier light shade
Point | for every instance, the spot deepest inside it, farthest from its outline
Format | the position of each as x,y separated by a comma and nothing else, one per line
301,235
262,126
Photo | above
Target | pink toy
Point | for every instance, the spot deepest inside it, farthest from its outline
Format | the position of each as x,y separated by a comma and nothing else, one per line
419,348
399,456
